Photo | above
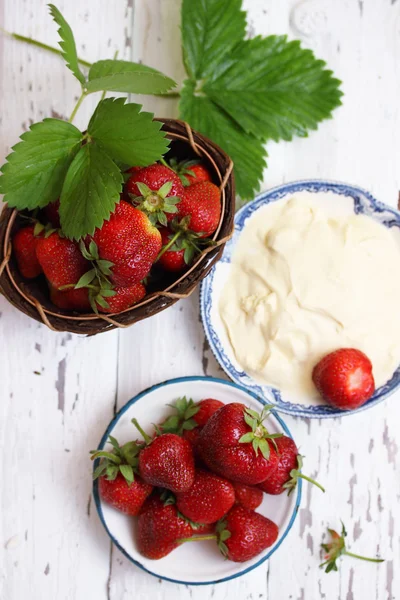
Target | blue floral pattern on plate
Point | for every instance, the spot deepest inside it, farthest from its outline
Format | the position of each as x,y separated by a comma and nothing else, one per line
364,203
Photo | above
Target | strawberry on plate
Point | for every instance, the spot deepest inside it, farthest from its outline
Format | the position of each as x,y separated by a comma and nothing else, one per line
166,461
247,495
243,534
344,378
235,444
288,469
24,246
157,191
119,484
160,527
208,500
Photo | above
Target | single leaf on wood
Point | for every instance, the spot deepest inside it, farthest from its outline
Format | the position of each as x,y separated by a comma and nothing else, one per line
67,43
35,171
91,190
124,76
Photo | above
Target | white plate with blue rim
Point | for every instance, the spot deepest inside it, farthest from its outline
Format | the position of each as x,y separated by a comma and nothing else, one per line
347,197
201,563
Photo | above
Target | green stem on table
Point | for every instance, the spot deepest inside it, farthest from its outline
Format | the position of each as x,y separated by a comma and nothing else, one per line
311,481
81,99
375,560
32,42
197,539
168,246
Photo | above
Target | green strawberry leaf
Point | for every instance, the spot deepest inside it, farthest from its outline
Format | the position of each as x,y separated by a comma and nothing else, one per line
247,437
100,470
91,190
127,134
275,89
86,279
246,151
241,93
127,472
210,29
124,76
67,43
189,424
35,171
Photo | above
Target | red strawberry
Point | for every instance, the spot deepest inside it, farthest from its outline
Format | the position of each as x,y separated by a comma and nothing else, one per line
159,528
71,299
156,190
235,444
206,410
288,469
208,500
130,242
199,174
201,204
248,496
190,171
166,461
52,215
61,260
174,258
344,378
124,298
24,246
244,533
128,498
119,484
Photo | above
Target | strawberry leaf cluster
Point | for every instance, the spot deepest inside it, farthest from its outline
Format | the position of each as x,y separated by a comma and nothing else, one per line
55,160
243,92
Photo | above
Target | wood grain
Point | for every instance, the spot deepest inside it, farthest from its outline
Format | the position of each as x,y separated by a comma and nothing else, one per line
53,546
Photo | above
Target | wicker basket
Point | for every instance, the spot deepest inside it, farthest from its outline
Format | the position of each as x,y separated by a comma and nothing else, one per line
31,297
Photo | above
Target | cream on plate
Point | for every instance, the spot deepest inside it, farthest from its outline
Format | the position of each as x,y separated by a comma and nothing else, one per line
306,280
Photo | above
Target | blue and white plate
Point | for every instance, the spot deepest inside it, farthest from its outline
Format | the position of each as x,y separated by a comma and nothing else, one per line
200,563
344,197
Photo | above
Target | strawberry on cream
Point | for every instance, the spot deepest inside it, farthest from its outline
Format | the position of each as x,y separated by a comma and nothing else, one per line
307,279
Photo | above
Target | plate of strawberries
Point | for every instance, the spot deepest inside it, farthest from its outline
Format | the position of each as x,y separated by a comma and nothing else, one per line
197,481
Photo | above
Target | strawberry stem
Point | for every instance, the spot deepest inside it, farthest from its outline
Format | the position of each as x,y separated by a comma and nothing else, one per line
375,560
198,538
168,246
311,481
32,42
81,99
146,437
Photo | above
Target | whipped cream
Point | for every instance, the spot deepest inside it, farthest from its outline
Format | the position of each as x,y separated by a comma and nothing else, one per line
305,280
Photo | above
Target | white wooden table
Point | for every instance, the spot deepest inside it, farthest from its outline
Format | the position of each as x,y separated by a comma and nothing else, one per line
52,544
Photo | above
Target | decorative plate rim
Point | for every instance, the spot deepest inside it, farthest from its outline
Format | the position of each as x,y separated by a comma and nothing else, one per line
190,378
268,393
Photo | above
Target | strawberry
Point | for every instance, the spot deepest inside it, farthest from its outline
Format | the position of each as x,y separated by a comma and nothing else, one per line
61,260
52,215
156,190
344,378
24,246
126,497
190,415
130,242
208,500
70,299
288,469
123,298
166,461
243,534
248,496
206,410
190,171
119,485
235,444
160,528
201,204
177,252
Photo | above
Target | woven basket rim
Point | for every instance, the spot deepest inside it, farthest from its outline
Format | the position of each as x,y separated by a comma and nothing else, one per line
168,291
